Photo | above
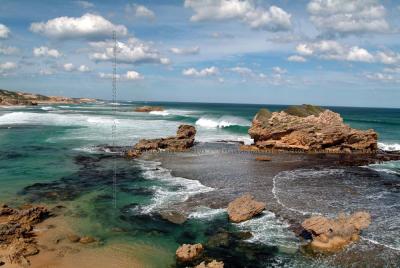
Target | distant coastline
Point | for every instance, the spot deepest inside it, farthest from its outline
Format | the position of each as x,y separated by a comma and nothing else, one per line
12,98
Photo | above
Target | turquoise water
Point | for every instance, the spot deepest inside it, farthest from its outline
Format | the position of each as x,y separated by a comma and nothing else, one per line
48,155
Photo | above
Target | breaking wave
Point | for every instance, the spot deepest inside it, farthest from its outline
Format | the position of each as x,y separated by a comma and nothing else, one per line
222,122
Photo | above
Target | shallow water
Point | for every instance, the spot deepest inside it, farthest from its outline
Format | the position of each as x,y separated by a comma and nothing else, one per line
49,155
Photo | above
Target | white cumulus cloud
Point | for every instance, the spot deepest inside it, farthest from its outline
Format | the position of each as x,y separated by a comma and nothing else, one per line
139,11
242,70
133,51
201,72
70,67
296,58
6,67
258,17
84,4
89,26
129,75
8,50
333,50
46,52
83,69
4,31
388,57
185,51
348,16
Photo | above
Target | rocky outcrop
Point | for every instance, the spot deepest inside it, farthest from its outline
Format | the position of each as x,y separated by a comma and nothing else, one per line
334,234
8,98
16,232
173,216
244,208
183,140
188,252
211,264
308,128
147,109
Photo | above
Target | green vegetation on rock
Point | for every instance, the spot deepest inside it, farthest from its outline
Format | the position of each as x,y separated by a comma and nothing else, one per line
263,116
304,110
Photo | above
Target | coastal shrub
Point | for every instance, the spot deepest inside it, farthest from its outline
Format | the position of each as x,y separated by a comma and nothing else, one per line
304,110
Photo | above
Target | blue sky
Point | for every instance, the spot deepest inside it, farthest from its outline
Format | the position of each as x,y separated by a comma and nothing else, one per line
336,52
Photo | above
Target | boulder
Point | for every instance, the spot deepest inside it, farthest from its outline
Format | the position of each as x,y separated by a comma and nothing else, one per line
173,216
244,208
212,264
73,238
309,128
183,140
87,240
147,109
188,252
334,234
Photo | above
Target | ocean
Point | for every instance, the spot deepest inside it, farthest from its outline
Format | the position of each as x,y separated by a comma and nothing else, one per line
49,154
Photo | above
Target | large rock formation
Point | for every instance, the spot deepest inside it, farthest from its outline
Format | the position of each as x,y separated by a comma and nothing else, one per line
16,232
334,234
244,208
183,140
308,128
188,252
147,109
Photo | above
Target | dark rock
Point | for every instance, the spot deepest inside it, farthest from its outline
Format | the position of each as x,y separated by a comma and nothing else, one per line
183,140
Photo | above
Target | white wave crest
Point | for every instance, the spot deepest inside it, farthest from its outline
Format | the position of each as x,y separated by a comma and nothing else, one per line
163,113
175,190
206,213
47,108
391,167
269,230
389,146
222,122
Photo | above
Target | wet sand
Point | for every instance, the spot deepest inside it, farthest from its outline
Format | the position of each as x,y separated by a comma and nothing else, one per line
56,250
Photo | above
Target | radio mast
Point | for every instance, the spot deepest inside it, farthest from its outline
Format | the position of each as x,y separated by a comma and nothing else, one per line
114,125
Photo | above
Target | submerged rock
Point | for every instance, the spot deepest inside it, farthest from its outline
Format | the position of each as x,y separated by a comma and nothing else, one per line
188,252
244,208
263,158
173,216
211,264
309,128
334,234
147,109
183,140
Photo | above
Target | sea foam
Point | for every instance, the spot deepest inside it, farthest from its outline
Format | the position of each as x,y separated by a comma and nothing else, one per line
174,189
389,146
269,230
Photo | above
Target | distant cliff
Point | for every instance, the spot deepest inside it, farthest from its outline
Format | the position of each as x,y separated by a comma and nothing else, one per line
8,97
